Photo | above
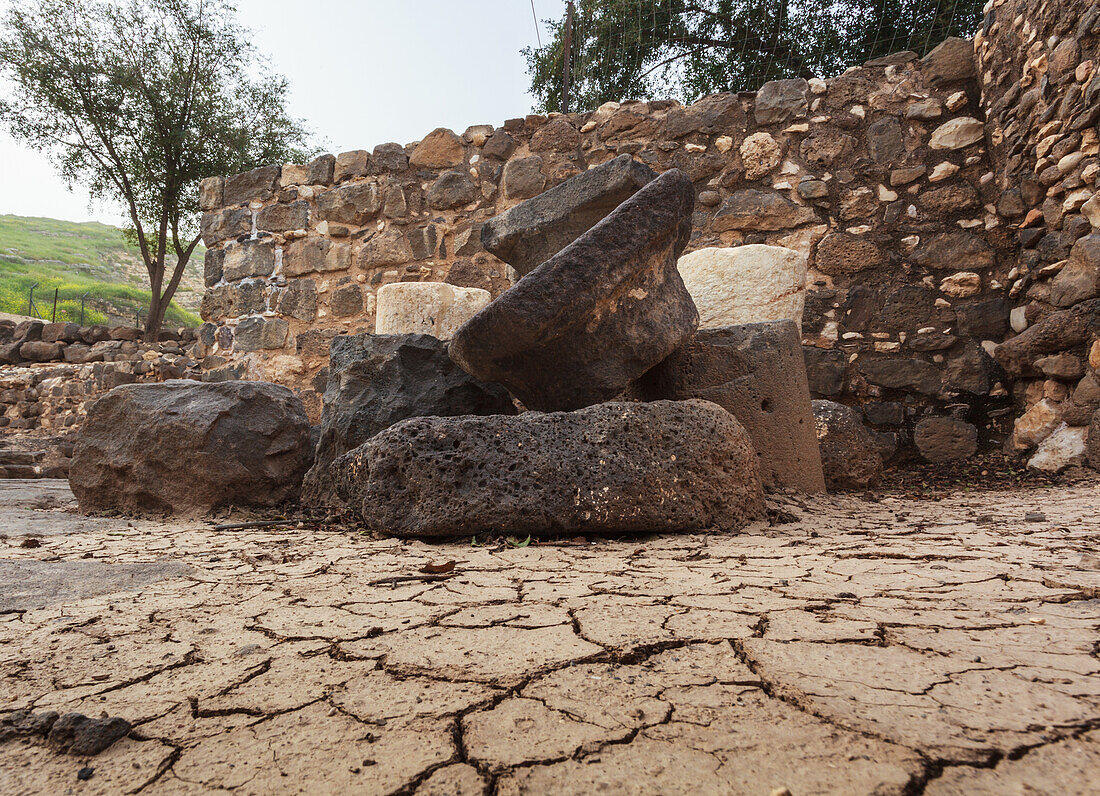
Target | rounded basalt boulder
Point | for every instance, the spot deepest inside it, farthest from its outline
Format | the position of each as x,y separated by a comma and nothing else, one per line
597,315
666,466
190,448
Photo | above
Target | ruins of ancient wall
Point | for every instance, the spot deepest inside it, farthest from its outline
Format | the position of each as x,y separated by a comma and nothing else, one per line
1041,88
881,174
52,371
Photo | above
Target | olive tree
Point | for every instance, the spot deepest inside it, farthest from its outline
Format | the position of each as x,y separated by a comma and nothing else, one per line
138,100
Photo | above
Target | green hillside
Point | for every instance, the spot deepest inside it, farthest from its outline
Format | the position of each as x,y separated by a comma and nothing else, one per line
84,259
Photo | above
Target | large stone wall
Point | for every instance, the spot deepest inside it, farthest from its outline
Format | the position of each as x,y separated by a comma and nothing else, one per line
882,175
1041,88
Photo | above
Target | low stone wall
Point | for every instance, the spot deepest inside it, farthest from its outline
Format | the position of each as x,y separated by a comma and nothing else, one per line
62,367
880,175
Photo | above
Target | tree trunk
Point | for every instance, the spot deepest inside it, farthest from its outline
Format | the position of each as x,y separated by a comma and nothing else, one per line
157,308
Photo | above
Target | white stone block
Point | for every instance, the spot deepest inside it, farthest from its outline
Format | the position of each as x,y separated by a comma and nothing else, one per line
434,308
745,284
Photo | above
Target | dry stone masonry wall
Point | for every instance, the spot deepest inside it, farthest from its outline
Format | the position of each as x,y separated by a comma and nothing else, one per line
52,371
1041,86
882,177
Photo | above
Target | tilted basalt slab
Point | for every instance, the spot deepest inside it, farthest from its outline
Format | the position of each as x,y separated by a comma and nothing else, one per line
666,466
583,325
531,233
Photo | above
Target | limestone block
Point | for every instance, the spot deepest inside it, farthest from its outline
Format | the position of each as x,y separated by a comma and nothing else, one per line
957,133
745,284
1036,424
434,308
1063,448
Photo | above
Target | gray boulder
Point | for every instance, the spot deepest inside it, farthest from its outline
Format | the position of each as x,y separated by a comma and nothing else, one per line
376,380
586,323
757,373
668,466
189,448
849,451
531,233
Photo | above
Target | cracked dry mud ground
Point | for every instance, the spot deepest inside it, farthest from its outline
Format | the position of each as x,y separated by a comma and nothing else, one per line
885,647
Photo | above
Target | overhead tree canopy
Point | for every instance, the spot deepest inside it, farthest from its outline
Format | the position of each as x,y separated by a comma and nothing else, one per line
685,49
139,100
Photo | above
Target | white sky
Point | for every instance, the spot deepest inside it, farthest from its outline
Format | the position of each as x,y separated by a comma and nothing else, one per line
362,72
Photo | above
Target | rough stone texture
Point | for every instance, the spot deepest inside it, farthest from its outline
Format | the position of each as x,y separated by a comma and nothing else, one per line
531,233
375,381
951,61
745,284
434,308
833,652
1092,442
839,254
780,101
1056,331
596,316
441,148
752,209
671,466
850,456
1065,447
756,372
945,439
188,448
81,736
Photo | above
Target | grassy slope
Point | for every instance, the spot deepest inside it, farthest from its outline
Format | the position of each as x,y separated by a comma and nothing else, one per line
87,258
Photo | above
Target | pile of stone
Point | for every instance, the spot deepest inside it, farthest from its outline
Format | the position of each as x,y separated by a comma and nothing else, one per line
638,420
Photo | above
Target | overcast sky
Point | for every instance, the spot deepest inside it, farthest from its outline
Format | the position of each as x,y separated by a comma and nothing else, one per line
362,72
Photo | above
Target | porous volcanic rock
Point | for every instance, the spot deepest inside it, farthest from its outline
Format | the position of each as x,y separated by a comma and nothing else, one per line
586,323
849,453
745,284
187,447
376,380
531,233
667,466
757,373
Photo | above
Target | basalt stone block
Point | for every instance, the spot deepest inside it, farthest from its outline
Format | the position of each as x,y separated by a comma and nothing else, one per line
256,184
1058,331
950,62
586,323
190,448
945,439
850,453
532,232
780,101
755,372
825,370
375,381
760,211
668,466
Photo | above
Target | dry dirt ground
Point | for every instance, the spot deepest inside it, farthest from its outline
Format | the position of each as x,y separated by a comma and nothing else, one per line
852,646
